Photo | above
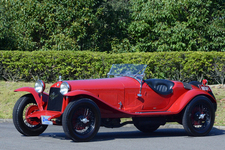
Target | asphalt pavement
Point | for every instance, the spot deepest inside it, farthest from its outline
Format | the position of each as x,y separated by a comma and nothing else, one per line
168,137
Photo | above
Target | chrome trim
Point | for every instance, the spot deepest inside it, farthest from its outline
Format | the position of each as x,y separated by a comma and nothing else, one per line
68,88
120,103
41,85
60,78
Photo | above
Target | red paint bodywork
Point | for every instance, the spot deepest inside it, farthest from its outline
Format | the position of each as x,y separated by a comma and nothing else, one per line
117,98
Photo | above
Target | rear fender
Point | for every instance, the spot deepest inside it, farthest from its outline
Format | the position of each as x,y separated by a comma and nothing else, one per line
39,98
184,99
106,109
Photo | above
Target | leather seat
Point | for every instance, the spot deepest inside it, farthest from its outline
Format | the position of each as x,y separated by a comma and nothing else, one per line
160,86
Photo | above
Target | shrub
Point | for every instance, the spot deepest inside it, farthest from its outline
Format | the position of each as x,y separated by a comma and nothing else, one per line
48,65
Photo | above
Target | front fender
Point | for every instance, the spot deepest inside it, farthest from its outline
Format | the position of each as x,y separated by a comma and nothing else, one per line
184,99
39,98
106,109
80,92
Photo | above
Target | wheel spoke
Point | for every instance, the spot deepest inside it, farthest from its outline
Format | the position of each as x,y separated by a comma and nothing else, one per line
200,117
83,120
86,112
29,109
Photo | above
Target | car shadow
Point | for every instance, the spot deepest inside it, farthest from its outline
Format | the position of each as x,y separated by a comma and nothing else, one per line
106,136
56,135
168,132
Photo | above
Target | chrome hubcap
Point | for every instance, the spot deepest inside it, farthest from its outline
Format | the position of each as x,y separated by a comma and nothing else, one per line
84,120
202,116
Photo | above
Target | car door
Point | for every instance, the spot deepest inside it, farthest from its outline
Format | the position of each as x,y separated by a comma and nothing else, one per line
152,100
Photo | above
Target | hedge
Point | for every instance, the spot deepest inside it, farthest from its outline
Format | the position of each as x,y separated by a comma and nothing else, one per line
48,65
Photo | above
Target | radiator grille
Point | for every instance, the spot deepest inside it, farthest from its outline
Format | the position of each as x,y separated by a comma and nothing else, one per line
55,100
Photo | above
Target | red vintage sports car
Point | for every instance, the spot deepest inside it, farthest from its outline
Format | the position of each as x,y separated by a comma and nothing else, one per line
82,106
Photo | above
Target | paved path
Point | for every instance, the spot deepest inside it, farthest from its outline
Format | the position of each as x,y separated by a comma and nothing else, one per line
170,137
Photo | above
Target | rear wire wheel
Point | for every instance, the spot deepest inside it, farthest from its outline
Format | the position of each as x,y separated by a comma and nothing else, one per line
81,120
30,127
199,116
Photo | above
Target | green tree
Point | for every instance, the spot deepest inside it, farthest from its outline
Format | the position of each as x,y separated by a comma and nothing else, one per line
111,28
177,25
48,24
6,35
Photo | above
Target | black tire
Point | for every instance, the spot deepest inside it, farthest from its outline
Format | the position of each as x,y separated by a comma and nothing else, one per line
199,116
81,120
19,118
145,128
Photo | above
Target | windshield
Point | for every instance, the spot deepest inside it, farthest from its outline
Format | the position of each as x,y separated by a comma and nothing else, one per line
134,70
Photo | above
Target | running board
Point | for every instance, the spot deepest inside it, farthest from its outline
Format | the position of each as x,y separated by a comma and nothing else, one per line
152,112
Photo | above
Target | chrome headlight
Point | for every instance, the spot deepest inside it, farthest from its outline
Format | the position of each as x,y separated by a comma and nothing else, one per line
39,86
64,88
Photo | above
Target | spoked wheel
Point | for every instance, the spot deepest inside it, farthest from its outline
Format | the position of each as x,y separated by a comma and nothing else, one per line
145,128
199,116
81,120
24,106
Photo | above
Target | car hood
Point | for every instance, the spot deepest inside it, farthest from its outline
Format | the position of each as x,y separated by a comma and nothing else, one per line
105,83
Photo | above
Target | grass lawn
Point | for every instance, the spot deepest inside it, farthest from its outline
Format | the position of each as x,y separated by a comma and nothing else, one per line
8,98
219,93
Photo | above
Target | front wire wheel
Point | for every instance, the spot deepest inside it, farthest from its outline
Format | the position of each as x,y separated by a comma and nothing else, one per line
199,116
81,120
26,126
